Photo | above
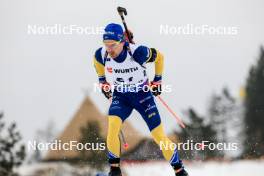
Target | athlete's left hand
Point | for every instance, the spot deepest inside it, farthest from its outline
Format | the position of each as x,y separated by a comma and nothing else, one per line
155,88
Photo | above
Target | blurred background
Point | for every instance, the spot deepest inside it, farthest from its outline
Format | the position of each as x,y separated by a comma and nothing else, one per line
214,64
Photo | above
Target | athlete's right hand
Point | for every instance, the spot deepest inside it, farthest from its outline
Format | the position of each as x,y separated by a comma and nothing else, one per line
106,90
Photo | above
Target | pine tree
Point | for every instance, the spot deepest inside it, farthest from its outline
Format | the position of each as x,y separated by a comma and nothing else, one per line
225,116
45,135
220,112
96,157
12,153
198,131
254,110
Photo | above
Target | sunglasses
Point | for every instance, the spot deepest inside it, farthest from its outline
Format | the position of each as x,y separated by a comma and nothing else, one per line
111,45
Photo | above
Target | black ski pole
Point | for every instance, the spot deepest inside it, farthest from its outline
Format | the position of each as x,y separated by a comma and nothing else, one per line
125,145
122,11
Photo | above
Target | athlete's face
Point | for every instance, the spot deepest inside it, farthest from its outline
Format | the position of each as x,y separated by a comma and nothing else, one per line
113,47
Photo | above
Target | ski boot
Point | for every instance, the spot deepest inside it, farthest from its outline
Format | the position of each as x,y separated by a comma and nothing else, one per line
115,171
181,172
179,169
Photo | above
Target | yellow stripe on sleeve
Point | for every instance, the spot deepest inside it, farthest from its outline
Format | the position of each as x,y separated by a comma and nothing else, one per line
99,67
159,64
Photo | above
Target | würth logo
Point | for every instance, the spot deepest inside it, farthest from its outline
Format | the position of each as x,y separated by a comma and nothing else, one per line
109,69
126,70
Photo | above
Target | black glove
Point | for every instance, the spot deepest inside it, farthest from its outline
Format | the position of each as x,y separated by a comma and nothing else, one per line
155,88
106,90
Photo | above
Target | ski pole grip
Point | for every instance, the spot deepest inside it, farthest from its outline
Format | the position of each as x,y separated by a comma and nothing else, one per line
121,10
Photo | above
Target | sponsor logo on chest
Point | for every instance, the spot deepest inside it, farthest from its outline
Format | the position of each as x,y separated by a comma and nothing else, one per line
125,70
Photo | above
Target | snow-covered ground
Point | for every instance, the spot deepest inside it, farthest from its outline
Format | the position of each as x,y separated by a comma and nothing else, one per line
212,168
238,168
